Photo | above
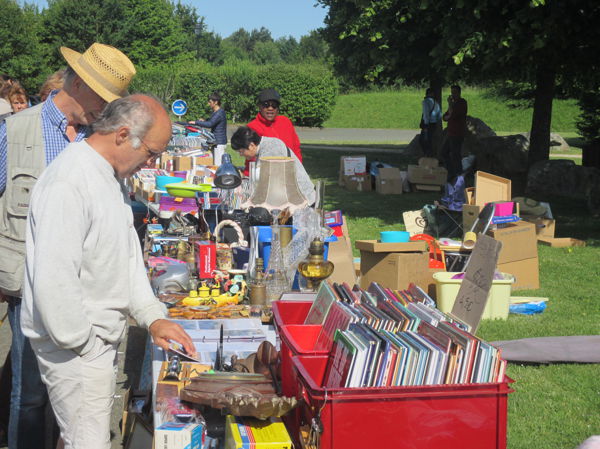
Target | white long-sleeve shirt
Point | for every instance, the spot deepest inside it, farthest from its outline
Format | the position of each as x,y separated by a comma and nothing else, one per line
84,270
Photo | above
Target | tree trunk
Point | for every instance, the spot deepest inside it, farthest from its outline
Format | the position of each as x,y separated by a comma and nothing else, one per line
539,139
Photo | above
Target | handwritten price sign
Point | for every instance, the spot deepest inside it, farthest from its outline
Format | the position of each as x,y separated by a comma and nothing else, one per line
475,287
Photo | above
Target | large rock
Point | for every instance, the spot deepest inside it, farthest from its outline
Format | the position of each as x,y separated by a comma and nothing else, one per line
557,143
565,178
504,156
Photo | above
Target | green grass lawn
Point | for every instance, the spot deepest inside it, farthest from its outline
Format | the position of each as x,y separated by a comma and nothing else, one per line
401,109
554,406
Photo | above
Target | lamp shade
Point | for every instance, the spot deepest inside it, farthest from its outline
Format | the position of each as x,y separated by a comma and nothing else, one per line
277,186
227,176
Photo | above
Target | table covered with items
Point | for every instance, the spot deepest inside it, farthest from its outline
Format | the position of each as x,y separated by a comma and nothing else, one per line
297,345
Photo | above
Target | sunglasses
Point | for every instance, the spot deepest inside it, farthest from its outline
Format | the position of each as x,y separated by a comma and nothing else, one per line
270,104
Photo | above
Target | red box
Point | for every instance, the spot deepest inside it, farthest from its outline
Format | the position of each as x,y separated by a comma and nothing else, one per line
296,339
459,416
290,312
206,258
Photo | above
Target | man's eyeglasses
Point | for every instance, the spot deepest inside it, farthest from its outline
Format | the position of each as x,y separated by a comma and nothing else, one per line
270,104
153,155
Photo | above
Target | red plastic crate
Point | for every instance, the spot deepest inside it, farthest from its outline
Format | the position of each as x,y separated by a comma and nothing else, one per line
466,416
296,339
290,312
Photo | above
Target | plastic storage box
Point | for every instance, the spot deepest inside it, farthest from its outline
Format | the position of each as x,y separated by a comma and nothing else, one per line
296,339
498,300
290,312
460,416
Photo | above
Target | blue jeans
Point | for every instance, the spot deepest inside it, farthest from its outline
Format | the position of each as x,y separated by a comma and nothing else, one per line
29,398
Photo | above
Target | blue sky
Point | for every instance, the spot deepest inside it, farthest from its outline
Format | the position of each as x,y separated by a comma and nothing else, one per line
282,17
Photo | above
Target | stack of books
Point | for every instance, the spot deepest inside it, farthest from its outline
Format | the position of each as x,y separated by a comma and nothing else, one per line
382,338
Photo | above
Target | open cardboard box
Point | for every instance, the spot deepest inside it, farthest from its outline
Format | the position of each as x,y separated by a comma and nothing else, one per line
490,188
560,242
395,265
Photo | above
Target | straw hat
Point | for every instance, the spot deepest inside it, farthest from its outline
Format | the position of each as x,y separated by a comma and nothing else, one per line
106,70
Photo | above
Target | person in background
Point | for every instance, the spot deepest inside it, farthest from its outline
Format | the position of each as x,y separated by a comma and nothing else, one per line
430,117
217,124
99,75
456,116
252,146
80,234
18,98
5,84
268,123
52,83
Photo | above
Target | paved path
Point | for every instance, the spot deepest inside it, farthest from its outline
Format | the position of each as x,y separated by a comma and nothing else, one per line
370,135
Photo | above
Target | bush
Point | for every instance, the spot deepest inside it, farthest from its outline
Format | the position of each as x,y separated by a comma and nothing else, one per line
308,91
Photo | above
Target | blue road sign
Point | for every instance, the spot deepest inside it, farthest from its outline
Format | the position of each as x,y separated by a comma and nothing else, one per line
179,107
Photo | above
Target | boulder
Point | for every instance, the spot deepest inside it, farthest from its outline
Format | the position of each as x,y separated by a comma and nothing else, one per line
504,156
565,178
557,143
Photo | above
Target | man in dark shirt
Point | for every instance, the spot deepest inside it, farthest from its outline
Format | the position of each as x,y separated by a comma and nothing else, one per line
456,116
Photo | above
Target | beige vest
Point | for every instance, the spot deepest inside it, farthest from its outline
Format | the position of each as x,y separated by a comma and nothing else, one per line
25,162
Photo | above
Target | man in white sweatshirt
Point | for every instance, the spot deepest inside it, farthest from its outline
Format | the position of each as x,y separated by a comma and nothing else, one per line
84,271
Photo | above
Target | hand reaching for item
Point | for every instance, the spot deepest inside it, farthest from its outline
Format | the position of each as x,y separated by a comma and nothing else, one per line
164,330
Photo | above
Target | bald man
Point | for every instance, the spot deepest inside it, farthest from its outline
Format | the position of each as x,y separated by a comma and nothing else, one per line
84,270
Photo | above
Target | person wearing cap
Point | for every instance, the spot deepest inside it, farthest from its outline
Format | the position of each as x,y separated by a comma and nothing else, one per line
84,269
268,123
29,141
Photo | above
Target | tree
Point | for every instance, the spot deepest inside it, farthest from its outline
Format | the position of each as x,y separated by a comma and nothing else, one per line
20,52
538,41
76,25
154,33
288,49
198,41
313,46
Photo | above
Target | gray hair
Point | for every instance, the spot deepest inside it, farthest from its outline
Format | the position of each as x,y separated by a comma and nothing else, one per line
69,76
128,111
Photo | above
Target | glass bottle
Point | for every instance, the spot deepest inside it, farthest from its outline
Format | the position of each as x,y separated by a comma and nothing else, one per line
276,278
315,268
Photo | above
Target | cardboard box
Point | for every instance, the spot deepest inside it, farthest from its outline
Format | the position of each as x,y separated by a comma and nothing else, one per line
207,159
373,246
562,242
174,435
389,181
394,265
340,254
428,162
526,273
181,163
351,166
490,188
427,175
544,227
250,433
519,242
358,183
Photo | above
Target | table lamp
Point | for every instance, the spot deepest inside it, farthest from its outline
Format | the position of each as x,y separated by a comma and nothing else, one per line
277,186
227,176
